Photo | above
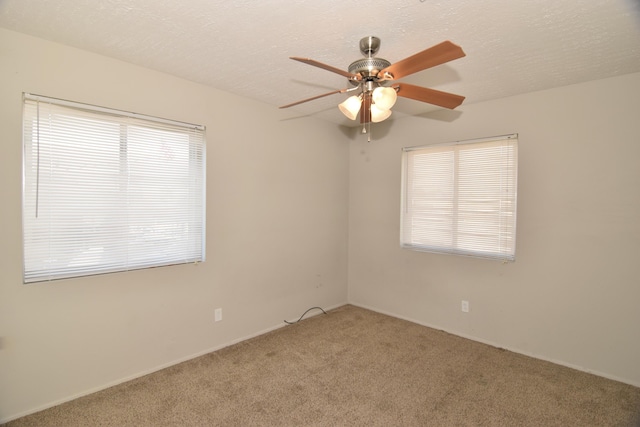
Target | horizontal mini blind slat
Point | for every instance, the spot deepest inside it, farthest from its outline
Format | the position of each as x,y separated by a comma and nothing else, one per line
461,198
106,193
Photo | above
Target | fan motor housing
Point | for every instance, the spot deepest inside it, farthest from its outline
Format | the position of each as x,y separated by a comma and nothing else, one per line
368,68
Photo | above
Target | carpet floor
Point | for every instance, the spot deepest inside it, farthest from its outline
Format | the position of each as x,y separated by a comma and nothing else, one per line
355,367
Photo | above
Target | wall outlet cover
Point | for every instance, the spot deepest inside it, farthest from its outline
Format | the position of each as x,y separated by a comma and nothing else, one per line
465,306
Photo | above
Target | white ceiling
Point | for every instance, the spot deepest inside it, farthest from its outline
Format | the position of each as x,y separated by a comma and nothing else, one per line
243,46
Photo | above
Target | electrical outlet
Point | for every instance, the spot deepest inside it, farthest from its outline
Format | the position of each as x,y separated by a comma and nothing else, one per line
465,306
218,314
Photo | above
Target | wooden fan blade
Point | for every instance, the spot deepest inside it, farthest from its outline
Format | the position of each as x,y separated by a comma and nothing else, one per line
436,55
314,97
431,96
347,74
365,109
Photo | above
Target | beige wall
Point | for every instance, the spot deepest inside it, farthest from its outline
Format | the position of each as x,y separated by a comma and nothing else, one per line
573,294
276,234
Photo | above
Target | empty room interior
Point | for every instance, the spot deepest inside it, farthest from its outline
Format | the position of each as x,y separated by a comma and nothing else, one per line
302,207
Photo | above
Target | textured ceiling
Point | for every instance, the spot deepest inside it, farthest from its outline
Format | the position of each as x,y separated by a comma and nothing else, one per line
243,46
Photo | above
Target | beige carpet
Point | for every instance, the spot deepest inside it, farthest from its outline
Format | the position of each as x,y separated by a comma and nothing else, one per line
354,367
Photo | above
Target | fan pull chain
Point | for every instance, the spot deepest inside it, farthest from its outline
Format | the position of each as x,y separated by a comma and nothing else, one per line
364,130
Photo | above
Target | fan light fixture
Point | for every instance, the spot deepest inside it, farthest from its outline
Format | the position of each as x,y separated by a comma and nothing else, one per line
382,99
351,106
378,114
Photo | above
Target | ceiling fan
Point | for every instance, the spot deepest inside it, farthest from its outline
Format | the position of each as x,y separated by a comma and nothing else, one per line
372,80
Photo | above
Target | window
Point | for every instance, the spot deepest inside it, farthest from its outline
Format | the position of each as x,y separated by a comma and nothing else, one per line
108,191
460,198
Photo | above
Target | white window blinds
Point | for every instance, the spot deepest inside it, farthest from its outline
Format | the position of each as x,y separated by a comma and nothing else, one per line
461,198
108,191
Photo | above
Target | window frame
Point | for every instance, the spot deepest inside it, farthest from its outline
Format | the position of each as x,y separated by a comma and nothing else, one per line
127,145
488,227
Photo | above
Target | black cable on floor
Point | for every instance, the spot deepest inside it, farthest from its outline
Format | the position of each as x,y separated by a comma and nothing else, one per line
312,308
